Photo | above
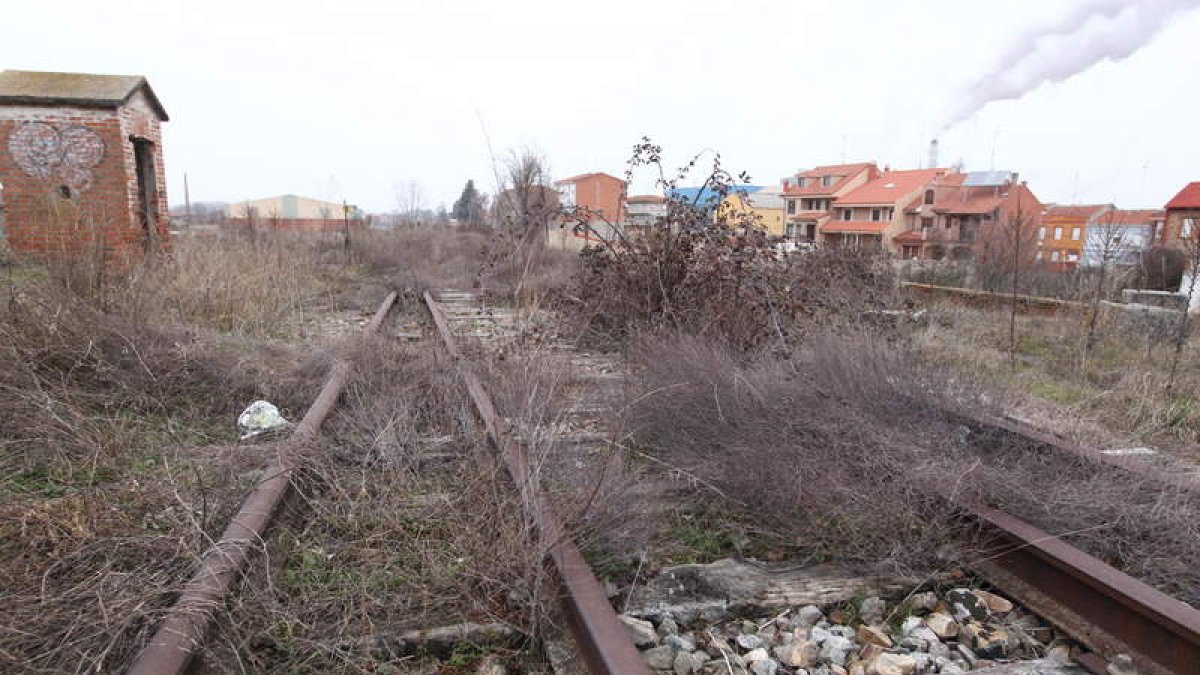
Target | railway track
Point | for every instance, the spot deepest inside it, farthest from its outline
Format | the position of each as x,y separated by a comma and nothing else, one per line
1104,609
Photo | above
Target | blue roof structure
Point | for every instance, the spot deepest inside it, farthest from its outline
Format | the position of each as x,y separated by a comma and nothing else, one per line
707,196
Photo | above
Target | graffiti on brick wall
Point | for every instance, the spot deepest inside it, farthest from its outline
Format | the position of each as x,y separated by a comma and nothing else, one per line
61,155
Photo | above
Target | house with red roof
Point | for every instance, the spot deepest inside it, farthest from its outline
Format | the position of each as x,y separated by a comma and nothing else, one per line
1064,229
1182,218
871,215
809,195
962,216
598,200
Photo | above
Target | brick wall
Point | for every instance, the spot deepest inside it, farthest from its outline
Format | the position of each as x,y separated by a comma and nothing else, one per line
70,181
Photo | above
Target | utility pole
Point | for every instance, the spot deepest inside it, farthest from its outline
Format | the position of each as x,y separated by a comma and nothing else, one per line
187,200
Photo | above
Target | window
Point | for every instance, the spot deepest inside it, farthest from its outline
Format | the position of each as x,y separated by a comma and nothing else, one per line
1039,255
791,206
845,214
1072,257
800,181
791,229
1057,234
929,196
876,215
926,223
826,181
1054,256
1187,228
1075,234
1041,233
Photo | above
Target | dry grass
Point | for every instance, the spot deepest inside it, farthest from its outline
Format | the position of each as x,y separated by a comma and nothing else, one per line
408,524
844,452
117,451
1122,386
121,388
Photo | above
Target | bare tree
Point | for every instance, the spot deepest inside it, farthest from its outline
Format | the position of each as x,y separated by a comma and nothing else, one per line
1189,240
525,208
1008,251
410,200
1104,244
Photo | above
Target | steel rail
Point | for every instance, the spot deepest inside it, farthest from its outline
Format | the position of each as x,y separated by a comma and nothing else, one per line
1105,609
604,642
183,632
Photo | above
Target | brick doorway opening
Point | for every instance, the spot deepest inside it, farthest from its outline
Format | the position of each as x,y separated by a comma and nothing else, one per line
147,189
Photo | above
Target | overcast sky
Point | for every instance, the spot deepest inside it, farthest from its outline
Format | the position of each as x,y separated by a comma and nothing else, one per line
349,99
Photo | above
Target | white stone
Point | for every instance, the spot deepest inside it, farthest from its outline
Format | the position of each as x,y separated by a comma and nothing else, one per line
835,649
808,615
756,655
797,654
892,664
749,641
642,631
767,666
661,658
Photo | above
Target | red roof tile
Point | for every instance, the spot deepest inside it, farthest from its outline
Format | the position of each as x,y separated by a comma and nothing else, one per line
908,236
576,179
1188,197
646,199
889,188
809,215
1132,217
854,226
951,197
1084,211
842,173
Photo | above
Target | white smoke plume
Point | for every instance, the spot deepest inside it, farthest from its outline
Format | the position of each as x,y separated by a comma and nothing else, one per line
1094,30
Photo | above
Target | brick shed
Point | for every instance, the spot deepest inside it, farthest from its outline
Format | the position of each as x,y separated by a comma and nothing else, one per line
81,163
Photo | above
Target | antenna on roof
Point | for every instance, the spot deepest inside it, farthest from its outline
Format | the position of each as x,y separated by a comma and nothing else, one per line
995,135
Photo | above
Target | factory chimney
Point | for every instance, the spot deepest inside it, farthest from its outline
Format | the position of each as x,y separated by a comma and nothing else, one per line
933,154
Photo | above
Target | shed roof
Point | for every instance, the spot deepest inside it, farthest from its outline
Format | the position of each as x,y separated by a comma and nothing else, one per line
78,89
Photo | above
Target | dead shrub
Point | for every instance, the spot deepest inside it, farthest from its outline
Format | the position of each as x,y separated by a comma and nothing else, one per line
845,452
719,276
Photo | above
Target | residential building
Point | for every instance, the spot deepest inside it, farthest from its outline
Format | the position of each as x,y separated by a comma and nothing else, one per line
763,206
871,215
599,194
82,163
1118,236
1182,217
596,199
809,195
1064,230
645,210
292,213
965,215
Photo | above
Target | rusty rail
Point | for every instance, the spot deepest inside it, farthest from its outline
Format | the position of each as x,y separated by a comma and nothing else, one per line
182,633
1104,608
603,640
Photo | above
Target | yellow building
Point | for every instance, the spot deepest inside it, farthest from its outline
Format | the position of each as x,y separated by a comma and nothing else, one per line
764,206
